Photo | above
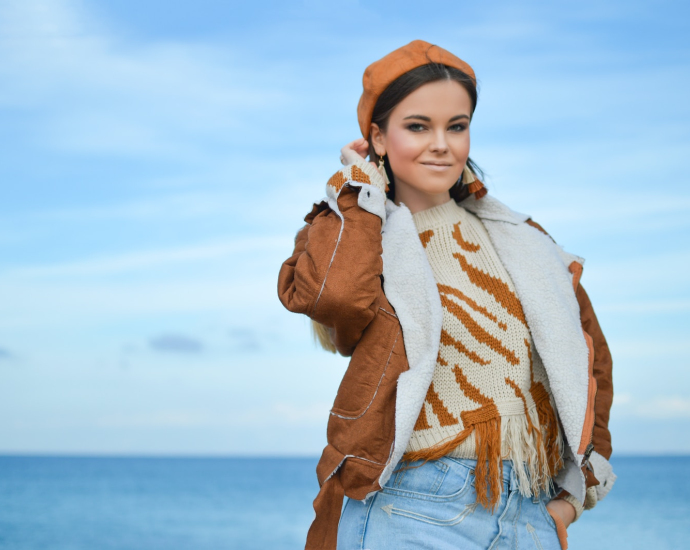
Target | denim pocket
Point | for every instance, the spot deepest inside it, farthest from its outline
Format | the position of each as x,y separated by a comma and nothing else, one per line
563,533
547,516
438,492
441,480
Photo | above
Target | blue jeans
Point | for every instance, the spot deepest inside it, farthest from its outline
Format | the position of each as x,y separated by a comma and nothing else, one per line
434,506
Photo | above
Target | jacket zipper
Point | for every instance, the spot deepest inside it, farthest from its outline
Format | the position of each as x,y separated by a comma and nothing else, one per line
590,447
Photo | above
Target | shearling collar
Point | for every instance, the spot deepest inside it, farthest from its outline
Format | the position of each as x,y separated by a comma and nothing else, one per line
490,208
486,208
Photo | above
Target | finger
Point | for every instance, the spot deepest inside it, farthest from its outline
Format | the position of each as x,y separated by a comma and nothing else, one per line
349,148
355,150
360,143
363,150
352,144
350,156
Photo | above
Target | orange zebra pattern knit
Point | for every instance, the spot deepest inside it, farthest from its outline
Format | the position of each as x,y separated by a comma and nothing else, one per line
489,398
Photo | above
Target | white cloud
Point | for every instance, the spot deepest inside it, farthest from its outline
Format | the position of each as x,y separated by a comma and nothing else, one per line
151,259
621,398
635,210
666,407
116,98
226,191
155,419
53,305
650,348
651,306
639,278
223,275
280,413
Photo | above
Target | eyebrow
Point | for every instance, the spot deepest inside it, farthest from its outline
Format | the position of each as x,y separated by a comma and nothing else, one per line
427,119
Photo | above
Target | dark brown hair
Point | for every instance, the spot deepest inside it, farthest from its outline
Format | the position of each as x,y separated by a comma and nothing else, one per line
403,86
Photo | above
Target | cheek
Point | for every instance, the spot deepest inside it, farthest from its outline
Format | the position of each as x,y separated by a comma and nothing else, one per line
403,148
460,146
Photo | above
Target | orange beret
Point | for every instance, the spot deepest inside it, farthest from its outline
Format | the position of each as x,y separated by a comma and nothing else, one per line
381,73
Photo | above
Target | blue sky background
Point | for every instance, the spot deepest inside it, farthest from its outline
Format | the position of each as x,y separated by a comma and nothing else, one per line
157,158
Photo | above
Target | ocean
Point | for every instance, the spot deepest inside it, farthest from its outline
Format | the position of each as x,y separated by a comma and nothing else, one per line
100,503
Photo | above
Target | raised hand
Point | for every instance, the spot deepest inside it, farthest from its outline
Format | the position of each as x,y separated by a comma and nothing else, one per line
355,150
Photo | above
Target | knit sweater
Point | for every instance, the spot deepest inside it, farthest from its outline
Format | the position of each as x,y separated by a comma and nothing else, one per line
489,397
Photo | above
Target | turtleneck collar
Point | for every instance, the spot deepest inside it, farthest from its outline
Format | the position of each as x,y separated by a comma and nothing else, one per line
449,212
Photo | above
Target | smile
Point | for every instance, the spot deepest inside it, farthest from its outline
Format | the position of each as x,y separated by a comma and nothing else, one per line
436,167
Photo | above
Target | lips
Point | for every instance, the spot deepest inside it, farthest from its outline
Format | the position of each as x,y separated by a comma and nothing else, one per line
436,165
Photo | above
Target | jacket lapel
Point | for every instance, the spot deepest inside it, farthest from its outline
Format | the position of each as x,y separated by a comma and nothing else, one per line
409,285
543,282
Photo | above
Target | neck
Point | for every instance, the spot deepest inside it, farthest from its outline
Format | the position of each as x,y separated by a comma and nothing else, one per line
417,200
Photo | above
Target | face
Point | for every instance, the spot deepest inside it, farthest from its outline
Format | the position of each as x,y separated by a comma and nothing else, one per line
427,139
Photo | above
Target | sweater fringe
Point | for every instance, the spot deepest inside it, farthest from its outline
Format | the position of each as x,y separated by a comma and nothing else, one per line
531,441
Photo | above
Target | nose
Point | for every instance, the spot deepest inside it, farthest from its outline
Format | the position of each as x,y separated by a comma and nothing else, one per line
438,142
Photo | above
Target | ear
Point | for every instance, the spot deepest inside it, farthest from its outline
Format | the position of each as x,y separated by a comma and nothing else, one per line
378,138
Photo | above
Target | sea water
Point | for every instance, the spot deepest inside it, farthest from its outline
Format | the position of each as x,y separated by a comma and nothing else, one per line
89,503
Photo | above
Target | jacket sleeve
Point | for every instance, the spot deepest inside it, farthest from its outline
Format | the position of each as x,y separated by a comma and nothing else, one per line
603,370
599,475
334,273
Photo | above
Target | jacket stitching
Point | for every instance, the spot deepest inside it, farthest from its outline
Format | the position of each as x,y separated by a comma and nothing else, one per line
340,233
377,386
345,457
389,313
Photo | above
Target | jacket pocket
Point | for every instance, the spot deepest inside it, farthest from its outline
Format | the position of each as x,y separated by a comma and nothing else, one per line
367,366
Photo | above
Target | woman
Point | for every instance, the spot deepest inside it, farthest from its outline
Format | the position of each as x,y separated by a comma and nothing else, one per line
474,410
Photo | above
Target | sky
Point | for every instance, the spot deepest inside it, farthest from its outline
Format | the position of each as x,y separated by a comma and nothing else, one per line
157,159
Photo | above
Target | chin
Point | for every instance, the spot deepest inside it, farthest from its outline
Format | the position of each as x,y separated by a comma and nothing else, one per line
425,182
435,187
434,190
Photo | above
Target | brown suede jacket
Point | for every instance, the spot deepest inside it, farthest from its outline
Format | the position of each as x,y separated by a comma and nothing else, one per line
359,268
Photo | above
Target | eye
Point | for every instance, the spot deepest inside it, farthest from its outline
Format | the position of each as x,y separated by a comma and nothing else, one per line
415,127
458,127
